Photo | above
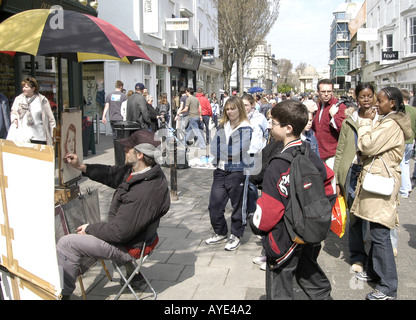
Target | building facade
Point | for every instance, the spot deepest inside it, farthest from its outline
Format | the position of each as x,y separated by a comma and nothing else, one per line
395,47
383,44
260,70
177,36
340,41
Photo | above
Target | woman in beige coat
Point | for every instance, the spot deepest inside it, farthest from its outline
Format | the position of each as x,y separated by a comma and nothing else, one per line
384,139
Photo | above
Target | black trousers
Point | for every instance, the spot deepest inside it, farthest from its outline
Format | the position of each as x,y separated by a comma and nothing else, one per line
304,267
227,185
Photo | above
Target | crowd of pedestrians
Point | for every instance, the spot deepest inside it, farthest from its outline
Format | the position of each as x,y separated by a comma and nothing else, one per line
374,131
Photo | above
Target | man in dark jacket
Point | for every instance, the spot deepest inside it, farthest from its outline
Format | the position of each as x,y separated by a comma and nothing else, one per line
141,197
137,110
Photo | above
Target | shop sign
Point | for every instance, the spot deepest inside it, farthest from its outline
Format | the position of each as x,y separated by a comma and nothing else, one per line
150,16
390,55
208,55
367,34
185,59
177,24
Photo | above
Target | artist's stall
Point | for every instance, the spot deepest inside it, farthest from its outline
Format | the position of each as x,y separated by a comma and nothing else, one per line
37,211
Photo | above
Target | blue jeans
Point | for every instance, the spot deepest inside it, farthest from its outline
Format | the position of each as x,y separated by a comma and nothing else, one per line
193,132
357,226
205,120
381,263
406,186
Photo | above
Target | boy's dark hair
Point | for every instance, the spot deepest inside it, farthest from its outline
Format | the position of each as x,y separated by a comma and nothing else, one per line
291,112
324,81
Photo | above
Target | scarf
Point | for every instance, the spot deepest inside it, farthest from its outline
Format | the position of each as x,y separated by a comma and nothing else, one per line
25,108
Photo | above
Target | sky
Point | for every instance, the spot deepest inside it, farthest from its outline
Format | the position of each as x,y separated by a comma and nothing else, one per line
301,31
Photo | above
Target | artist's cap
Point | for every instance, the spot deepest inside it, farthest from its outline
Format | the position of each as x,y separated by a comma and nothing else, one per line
143,141
140,86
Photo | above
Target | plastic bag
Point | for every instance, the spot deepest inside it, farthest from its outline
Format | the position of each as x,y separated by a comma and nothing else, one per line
339,217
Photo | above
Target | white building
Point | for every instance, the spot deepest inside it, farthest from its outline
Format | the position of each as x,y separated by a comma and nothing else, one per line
395,47
174,34
260,71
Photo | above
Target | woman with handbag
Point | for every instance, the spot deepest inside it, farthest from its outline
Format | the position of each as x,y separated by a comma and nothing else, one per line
381,148
347,167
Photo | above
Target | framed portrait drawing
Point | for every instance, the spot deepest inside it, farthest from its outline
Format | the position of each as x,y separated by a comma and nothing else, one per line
71,142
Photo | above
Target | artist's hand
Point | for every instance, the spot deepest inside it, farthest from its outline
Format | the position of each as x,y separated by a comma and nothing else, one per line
81,229
73,160
104,120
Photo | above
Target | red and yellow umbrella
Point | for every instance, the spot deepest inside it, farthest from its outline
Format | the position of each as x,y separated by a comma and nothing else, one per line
69,34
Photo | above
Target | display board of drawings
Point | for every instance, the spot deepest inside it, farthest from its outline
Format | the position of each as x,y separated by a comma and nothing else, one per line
29,227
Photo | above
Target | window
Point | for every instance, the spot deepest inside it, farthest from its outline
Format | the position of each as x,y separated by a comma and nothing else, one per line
389,42
412,34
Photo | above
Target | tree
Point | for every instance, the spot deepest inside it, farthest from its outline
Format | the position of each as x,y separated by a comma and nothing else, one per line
242,25
284,67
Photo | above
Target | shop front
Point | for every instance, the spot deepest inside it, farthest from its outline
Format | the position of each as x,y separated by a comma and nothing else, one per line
185,64
401,75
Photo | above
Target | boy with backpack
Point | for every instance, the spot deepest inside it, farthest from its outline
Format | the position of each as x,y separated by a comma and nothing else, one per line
295,210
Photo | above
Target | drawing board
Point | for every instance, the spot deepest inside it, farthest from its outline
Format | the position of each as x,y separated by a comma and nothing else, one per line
71,142
27,221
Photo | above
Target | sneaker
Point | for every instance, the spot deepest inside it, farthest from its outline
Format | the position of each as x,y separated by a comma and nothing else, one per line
233,243
357,267
263,266
363,276
378,295
259,260
216,238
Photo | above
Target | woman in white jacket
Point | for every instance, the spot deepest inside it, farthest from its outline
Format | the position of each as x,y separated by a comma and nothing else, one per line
31,116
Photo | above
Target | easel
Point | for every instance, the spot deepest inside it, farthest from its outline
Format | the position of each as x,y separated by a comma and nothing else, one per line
66,192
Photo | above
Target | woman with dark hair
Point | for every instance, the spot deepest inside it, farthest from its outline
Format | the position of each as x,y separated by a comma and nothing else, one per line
32,119
381,147
230,148
347,167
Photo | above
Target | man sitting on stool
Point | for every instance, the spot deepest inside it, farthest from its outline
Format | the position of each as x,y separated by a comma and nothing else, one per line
141,197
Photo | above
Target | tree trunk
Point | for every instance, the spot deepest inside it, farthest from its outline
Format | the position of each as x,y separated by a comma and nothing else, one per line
240,76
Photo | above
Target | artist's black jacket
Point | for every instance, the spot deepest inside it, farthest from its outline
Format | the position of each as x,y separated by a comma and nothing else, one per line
138,201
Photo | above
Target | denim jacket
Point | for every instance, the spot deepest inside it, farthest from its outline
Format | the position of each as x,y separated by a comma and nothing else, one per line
230,147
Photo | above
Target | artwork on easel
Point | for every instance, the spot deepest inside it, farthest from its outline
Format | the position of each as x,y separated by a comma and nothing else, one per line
27,223
71,142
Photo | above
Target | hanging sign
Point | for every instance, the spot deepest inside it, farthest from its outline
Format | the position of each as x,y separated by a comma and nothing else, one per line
150,16
390,55
177,24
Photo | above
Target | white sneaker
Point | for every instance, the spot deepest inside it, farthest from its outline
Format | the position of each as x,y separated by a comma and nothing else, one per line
357,267
263,266
216,238
233,243
259,260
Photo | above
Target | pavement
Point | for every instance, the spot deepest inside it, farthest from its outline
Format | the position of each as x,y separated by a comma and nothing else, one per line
183,267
